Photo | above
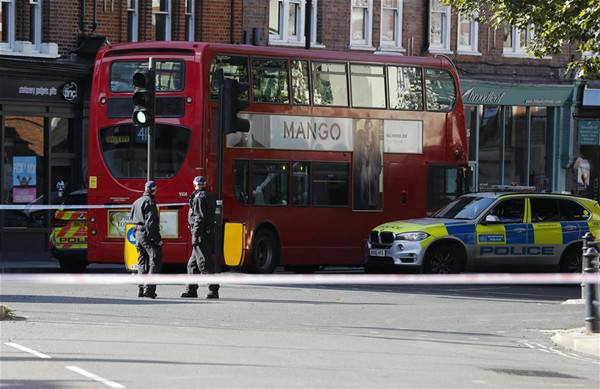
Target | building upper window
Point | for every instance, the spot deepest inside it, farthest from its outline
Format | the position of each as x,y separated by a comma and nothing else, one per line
391,24
287,20
468,35
161,18
361,25
29,25
189,19
439,28
132,20
515,41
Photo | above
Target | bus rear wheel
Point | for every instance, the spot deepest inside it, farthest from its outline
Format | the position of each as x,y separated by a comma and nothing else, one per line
443,259
265,253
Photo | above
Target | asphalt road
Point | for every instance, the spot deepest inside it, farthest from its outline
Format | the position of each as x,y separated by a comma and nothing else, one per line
346,336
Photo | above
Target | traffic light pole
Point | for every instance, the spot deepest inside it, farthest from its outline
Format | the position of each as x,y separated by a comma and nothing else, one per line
219,209
151,141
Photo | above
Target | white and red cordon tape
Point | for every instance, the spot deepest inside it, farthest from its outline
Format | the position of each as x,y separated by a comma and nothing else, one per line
40,207
304,279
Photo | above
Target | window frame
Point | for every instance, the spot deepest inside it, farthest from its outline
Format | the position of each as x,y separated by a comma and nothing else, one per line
367,42
283,38
168,19
515,49
190,20
473,48
9,44
133,27
396,44
445,11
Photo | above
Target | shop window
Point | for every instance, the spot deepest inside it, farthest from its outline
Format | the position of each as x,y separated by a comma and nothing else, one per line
132,20
161,19
287,22
444,184
62,136
361,24
330,184
515,149
489,147
24,170
270,182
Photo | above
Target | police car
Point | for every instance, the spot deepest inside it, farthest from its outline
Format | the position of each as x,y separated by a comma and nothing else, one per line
488,229
68,235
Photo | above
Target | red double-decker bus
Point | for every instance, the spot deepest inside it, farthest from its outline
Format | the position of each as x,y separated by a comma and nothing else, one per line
338,143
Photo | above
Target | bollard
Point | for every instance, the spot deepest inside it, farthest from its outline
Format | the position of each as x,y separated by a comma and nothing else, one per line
592,305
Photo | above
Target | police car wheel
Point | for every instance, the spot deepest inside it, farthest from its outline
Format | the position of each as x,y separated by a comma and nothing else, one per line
442,259
265,255
571,261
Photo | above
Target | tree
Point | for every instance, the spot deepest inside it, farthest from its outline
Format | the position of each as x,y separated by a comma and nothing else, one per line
555,23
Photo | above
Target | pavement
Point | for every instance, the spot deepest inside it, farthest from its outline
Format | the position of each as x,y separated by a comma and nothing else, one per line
577,339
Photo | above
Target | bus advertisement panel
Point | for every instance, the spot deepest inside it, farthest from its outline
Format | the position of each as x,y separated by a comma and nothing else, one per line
338,143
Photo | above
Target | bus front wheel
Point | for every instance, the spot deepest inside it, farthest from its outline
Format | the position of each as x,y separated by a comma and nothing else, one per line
265,254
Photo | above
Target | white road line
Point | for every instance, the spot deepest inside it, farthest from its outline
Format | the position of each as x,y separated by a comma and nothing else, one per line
94,377
26,349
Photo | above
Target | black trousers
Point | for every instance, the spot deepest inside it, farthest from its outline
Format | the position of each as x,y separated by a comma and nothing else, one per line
149,257
201,262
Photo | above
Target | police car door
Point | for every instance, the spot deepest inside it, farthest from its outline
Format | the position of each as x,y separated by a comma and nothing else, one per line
556,223
502,234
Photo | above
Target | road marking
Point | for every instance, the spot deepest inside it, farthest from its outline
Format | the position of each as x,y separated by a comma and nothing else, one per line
26,349
94,377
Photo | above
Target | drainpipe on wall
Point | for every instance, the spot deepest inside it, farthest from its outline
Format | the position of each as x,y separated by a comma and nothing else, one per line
82,21
425,46
231,22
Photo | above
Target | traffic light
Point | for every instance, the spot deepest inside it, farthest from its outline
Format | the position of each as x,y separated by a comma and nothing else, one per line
232,104
143,98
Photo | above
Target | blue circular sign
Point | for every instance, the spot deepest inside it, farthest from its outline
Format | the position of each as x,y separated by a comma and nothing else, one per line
131,235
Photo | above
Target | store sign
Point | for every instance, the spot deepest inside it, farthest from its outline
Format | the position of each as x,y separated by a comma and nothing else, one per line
484,93
39,90
589,132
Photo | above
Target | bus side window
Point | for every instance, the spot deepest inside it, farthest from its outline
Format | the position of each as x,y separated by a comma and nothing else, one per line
300,86
233,67
270,182
405,88
270,81
440,90
330,184
330,84
241,180
368,86
300,183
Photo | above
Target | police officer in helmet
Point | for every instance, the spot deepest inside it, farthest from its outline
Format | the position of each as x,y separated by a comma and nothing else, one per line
201,219
144,214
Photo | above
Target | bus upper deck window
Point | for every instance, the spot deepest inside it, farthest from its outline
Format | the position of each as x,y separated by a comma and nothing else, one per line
330,84
368,86
270,81
233,67
440,90
300,86
405,88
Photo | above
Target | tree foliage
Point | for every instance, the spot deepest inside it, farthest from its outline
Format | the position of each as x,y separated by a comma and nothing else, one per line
555,22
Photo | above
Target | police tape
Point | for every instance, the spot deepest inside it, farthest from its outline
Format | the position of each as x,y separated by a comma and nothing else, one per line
33,207
305,279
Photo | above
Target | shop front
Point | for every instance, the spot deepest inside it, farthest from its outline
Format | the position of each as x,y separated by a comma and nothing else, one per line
42,147
519,134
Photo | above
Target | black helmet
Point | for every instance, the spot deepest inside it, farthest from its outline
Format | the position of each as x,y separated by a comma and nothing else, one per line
150,186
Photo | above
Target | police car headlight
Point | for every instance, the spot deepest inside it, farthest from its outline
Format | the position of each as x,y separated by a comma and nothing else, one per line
412,236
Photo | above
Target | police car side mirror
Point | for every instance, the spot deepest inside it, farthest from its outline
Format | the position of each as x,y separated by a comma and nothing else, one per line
490,219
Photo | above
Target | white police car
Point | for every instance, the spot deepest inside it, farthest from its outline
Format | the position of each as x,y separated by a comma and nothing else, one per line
489,229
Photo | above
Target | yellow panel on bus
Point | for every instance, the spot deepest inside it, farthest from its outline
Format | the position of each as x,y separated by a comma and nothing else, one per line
233,243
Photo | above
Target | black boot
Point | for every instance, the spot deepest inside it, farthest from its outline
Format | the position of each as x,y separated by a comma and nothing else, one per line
141,291
190,293
213,294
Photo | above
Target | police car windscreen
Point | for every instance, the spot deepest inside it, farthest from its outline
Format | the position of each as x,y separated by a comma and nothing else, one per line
464,208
